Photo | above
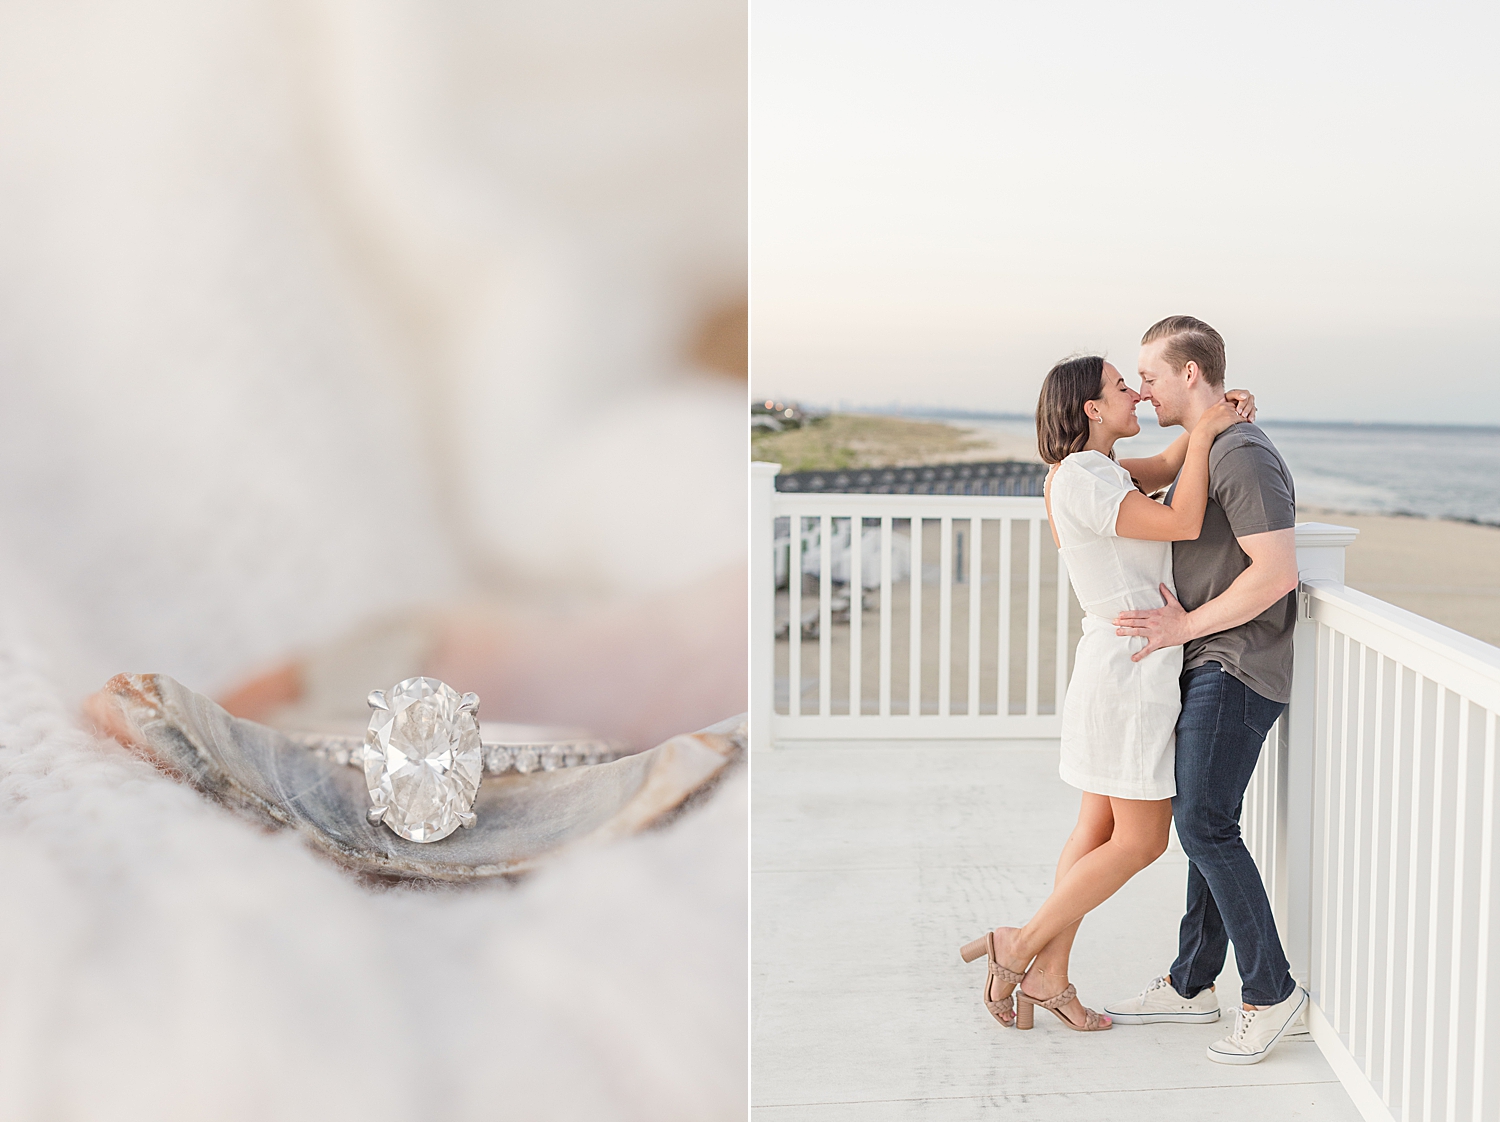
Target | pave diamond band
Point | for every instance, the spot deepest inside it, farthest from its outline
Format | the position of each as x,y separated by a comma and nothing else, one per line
423,758
499,756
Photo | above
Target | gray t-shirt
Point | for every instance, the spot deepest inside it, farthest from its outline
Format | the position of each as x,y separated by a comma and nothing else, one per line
1249,492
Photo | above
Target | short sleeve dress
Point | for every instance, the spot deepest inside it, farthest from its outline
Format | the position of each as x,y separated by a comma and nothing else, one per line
1119,717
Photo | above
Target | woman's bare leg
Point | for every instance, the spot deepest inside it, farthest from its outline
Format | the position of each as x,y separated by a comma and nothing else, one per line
1096,822
1139,837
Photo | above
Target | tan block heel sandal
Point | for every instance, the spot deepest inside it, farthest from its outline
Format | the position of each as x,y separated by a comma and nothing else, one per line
1026,1011
1001,1008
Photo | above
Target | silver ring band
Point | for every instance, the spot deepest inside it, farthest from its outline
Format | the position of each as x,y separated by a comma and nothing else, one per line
499,756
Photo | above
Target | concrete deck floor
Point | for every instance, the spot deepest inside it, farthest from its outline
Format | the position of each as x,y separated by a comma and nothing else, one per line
872,864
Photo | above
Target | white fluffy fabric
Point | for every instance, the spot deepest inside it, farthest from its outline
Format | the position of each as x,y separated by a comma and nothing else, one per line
160,959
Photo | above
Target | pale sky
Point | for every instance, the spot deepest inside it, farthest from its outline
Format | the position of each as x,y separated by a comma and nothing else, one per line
949,196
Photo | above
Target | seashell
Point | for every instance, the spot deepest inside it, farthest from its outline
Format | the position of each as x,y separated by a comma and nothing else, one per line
526,816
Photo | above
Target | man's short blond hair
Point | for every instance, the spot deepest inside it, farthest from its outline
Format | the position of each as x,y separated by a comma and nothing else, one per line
1190,340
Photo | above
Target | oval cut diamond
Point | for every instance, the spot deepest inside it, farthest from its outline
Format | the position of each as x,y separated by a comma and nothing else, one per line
422,759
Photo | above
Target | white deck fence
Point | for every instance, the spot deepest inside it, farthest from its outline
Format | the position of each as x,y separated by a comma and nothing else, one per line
944,622
1372,814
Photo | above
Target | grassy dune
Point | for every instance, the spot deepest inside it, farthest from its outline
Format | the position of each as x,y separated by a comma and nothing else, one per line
857,440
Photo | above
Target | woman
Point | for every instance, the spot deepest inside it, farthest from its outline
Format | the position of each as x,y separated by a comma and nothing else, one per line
1119,715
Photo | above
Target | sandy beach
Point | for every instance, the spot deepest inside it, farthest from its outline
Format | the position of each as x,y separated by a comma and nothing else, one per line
1446,571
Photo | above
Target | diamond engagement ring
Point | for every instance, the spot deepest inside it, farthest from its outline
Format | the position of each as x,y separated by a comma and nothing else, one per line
423,758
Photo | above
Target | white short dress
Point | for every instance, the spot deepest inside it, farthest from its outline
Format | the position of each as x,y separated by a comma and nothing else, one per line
1119,716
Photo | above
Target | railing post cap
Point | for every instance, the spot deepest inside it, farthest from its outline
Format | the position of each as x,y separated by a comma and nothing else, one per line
760,469
1325,534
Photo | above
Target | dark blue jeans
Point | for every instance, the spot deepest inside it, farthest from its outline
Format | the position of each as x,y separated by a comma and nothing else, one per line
1219,736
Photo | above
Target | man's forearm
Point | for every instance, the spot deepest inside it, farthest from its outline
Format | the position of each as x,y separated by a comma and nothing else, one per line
1252,592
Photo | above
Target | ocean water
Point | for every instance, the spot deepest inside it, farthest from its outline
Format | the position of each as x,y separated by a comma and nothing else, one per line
1432,471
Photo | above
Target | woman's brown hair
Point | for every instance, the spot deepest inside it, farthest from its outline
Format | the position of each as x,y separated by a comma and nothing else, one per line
1062,427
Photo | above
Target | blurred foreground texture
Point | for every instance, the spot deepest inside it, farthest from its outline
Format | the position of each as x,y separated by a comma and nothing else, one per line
337,343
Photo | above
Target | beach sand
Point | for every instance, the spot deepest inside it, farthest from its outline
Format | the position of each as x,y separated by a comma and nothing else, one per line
1446,571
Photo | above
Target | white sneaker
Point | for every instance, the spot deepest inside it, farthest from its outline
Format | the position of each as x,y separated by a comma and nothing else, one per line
1256,1031
1160,1002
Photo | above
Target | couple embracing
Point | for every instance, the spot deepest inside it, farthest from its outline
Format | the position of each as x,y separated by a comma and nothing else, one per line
1184,665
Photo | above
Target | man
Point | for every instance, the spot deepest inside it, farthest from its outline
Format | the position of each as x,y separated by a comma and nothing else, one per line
1233,615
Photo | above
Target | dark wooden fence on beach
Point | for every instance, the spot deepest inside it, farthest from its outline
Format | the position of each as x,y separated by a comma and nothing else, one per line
1005,477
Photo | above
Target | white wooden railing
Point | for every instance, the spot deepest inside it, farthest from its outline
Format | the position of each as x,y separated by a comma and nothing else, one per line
970,610
1372,813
